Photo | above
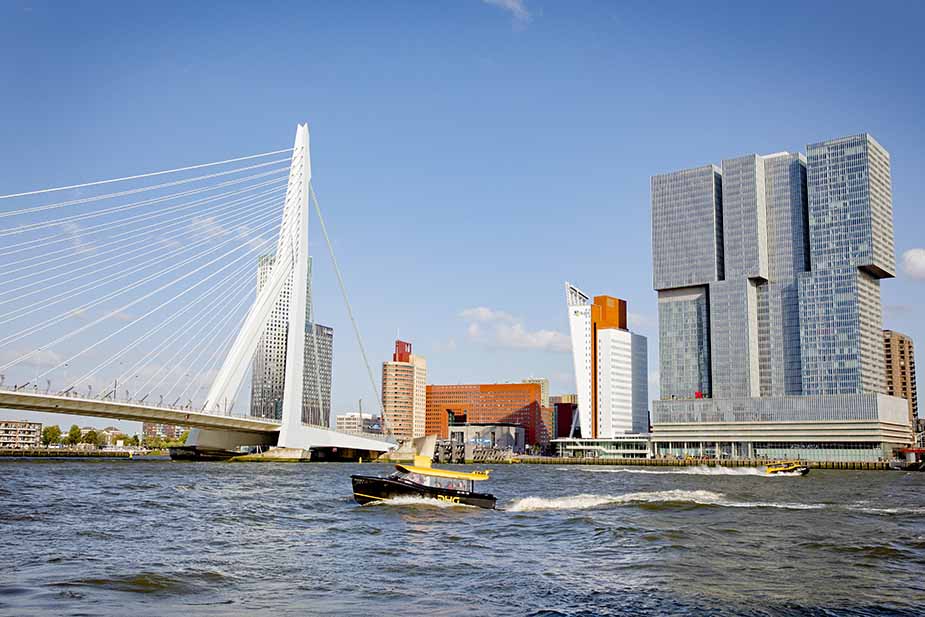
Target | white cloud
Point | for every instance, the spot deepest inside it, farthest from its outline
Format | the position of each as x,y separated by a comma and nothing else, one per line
78,241
914,263
446,346
517,9
208,226
640,321
503,330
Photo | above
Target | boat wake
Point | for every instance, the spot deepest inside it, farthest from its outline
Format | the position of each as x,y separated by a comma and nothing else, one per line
408,500
701,470
676,496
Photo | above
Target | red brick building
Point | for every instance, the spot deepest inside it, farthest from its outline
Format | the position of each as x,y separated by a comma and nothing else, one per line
517,403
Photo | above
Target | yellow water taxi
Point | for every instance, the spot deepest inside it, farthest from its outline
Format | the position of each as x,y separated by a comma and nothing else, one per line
787,467
457,487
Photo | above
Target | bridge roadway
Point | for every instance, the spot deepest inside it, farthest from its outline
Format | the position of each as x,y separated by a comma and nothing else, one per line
121,410
139,412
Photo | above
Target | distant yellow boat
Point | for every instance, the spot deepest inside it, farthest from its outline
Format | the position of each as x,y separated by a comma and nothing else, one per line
787,467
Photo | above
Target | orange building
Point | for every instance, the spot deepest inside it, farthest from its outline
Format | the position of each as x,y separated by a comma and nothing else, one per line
517,403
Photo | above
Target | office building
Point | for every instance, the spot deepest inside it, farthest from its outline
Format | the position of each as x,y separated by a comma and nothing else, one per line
544,389
20,435
497,403
768,276
404,393
899,357
269,367
611,367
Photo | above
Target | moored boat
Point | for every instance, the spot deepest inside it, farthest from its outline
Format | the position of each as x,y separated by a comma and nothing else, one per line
787,467
456,487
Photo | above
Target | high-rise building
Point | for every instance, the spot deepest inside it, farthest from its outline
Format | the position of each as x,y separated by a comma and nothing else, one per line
900,369
404,393
611,367
496,403
544,389
563,398
269,368
768,277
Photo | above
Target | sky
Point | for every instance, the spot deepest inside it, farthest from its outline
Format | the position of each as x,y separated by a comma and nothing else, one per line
470,156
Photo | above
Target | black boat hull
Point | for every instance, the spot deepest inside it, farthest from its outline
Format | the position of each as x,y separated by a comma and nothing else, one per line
370,489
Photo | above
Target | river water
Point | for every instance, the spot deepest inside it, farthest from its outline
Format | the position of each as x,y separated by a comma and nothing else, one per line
120,537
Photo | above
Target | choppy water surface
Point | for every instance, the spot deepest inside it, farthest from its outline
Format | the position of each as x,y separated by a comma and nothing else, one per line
162,538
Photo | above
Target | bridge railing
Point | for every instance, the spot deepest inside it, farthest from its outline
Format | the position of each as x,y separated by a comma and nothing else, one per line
109,397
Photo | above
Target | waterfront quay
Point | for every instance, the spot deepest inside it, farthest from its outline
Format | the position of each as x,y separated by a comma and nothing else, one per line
696,462
63,453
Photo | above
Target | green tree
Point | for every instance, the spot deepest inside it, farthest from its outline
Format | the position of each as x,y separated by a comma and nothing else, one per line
91,437
132,441
73,436
184,437
51,434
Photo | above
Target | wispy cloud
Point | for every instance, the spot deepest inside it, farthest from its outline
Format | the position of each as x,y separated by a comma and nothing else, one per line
517,9
502,330
913,262
78,241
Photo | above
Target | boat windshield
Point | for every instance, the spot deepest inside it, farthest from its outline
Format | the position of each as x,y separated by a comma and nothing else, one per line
454,484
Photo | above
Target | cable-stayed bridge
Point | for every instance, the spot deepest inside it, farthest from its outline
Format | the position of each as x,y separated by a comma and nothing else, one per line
136,298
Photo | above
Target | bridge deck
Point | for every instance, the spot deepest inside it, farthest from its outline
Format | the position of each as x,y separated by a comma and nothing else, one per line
131,411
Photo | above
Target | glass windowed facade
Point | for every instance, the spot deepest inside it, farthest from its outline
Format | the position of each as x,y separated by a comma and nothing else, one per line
684,342
790,306
687,228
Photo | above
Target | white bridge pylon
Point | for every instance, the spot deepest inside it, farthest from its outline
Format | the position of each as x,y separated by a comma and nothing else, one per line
290,263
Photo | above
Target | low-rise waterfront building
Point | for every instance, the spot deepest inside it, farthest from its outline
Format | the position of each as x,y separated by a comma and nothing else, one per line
497,403
166,432
358,423
20,434
618,446
500,436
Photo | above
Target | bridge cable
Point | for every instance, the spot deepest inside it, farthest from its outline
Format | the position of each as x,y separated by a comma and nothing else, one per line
140,231
96,213
66,235
4,318
343,291
124,307
146,175
150,312
120,256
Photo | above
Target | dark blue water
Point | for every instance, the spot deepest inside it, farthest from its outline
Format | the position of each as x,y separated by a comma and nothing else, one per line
162,538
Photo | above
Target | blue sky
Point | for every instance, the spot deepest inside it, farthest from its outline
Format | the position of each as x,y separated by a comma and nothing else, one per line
468,154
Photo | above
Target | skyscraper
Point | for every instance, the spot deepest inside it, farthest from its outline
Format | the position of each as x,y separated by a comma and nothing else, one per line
767,272
611,367
404,393
269,367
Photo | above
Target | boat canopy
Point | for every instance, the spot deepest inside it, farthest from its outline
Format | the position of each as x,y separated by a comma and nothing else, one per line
445,473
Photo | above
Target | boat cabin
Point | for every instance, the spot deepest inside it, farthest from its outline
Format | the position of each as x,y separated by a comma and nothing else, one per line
439,478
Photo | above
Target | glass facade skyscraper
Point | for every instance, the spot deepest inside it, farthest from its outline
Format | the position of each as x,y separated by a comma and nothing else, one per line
768,274
783,254
851,235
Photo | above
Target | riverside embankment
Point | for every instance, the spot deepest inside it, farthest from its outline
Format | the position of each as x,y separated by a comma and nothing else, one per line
669,462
